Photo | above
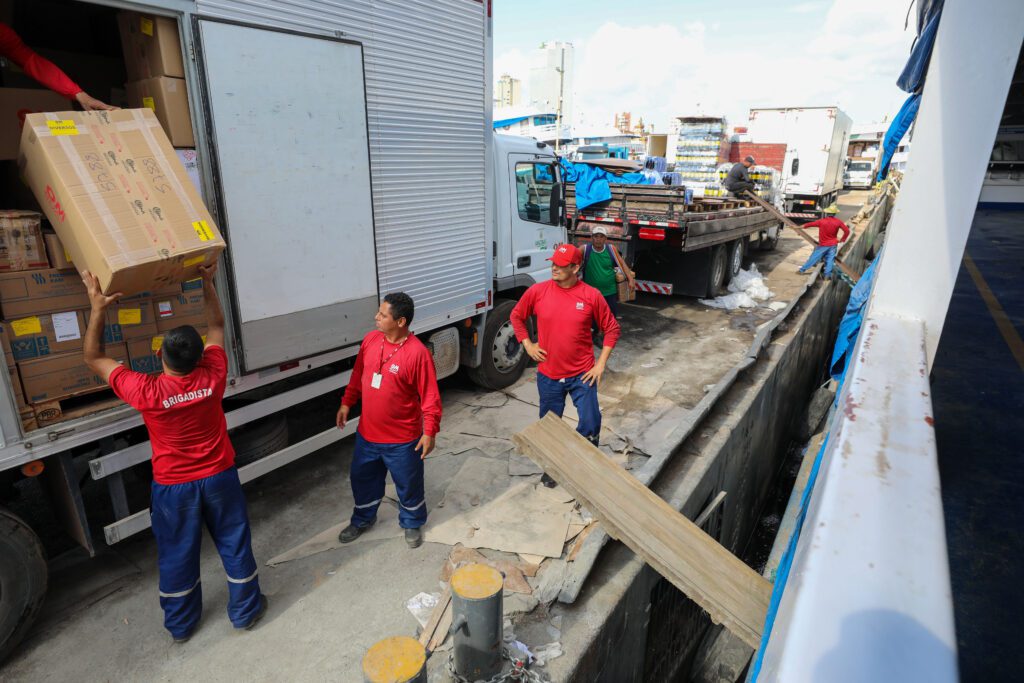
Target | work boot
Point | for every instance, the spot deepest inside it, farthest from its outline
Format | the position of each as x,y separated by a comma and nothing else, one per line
181,640
414,537
548,481
352,532
259,614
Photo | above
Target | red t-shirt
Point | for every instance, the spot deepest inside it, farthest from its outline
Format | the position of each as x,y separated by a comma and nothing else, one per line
43,70
564,318
184,416
828,227
407,404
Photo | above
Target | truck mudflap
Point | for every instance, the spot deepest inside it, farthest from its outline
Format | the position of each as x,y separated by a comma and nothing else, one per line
654,287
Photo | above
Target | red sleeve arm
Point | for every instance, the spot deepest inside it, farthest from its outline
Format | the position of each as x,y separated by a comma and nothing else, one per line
812,224
607,322
355,383
846,231
39,68
522,311
430,396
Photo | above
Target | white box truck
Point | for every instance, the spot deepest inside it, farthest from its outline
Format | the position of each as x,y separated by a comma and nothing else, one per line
816,139
346,149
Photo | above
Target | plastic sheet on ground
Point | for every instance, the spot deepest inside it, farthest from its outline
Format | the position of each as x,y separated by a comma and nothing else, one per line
747,288
422,606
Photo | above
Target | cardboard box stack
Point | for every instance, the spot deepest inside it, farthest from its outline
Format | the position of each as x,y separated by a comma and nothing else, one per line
156,72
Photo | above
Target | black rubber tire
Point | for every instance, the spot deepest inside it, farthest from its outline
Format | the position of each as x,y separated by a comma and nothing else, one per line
717,269
497,342
736,254
259,439
767,243
23,579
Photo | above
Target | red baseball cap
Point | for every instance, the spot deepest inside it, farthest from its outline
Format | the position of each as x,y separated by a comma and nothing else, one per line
566,254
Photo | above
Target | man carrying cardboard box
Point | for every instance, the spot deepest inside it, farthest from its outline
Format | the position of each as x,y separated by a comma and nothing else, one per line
194,477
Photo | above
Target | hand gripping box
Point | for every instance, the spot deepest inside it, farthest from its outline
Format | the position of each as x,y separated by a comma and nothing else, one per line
118,197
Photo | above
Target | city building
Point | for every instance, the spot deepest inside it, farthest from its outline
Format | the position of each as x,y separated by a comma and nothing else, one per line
508,92
624,122
551,79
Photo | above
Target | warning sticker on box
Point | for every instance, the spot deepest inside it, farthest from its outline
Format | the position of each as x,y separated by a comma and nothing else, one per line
149,103
157,343
203,230
146,25
65,326
194,260
26,326
63,127
164,309
129,316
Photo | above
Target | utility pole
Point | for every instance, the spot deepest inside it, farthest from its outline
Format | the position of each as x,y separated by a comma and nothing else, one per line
561,86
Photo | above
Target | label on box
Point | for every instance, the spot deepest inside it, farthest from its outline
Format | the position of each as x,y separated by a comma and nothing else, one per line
164,309
67,256
65,327
203,230
146,26
149,103
194,260
129,316
157,343
26,326
64,127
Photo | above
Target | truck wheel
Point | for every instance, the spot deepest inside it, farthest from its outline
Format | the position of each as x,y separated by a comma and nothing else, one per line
502,357
259,439
736,253
770,239
717,270
23,576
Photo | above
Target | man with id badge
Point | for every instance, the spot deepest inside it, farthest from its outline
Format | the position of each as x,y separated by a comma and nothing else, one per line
394,377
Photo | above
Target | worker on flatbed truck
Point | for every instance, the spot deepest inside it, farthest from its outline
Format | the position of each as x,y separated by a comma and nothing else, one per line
195,482
828,228
738,180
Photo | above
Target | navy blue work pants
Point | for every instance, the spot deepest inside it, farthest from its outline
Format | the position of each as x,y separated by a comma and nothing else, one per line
370,464
179,512
584,396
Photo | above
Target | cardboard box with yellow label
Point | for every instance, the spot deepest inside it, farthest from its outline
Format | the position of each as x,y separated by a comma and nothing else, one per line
132,320
168,99
187,308
113,189
46,334
63,375
151,46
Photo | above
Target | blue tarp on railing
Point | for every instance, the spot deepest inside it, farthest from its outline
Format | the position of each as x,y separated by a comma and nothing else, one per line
592,182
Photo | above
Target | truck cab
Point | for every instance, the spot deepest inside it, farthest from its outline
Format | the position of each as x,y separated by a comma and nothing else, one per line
859,173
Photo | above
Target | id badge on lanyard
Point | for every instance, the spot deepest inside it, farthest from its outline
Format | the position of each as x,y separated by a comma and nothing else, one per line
378,377
376,380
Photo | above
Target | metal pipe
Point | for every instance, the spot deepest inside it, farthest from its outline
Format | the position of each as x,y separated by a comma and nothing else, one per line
400,659
477,621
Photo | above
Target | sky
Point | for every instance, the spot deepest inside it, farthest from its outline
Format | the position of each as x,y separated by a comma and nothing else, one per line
665,58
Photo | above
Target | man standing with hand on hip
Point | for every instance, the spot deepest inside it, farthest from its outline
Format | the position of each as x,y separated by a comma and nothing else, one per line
195,483
566,307
394,377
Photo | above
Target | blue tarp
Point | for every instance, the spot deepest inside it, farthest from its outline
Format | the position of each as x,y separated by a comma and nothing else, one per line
508,122
912,77
849,327
899,127
592,183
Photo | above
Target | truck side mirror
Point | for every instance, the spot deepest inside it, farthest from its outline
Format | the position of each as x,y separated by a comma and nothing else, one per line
555,215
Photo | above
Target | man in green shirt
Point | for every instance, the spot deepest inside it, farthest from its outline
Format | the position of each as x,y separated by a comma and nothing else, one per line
600,259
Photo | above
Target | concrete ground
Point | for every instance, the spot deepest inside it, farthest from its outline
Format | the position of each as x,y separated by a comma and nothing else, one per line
102,620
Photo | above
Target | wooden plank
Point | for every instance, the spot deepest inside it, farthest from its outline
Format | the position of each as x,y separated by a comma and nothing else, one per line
732,593
436,630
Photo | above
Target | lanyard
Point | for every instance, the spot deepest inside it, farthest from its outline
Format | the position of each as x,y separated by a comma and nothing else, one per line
384,360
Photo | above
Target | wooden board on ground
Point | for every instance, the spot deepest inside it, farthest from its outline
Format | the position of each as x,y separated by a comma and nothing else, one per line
433,634
730,591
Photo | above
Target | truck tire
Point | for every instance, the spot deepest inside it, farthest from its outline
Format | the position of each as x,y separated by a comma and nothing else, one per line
717,270
259,439
502,358
770,239
736,252
23,577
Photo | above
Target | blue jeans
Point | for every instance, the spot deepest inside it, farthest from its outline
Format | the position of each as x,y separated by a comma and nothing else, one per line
584,396
370,464
179,512
828,253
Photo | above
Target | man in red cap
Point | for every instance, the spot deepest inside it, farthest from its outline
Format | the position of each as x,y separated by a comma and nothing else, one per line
566,307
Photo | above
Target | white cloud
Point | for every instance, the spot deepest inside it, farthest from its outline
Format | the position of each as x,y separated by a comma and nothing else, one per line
851,58
515,63
806,7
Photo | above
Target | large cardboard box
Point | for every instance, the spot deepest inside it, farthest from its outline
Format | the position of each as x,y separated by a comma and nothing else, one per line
123,206
57,254
130,320
63,375
186,308
151,46
168,99
190,160
33,292
36,336
21,241
15,104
